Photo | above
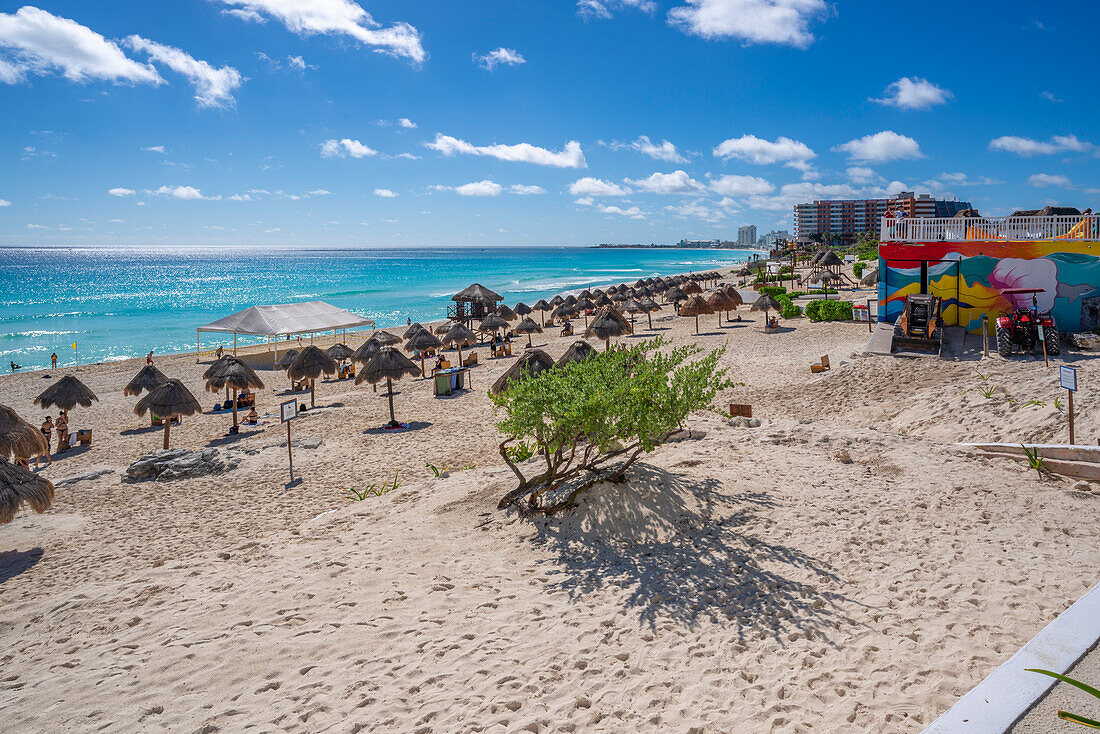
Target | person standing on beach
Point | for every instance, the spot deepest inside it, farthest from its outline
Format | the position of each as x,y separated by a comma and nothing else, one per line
53,360
149,357
47,432
62,424
218,352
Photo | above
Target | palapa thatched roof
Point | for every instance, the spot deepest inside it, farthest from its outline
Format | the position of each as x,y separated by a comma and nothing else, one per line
423,340
675,295
562,312
557,301
733,294
146,379
542,305
720,300
609,324
584,295
477,293
235,375
506,313
633,306
388,363
414,327
817,257
650,305
531,363
19,487
571,300
830,259
385,338
66,394
585,303
310,364
168,400
366,350
825,275
492,322
578,351
696,306
870,278
18,438
691,288
522,309
459,335
602,300
286,360
765,303
218,363
442,327
527,326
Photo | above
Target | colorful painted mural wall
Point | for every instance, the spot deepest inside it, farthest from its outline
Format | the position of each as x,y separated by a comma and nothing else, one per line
970,277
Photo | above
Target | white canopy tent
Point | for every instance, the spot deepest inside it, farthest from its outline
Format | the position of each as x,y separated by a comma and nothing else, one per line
287,319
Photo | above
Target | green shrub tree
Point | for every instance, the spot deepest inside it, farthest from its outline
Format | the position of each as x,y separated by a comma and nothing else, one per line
590,421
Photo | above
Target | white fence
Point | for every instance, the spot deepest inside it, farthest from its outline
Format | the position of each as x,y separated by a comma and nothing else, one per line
984,229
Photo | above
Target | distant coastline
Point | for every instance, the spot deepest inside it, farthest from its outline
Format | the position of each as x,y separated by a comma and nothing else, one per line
677,246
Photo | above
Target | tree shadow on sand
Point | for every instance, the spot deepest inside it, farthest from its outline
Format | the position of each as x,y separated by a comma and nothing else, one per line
677,546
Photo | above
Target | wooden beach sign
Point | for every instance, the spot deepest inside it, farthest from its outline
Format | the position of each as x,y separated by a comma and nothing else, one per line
288,411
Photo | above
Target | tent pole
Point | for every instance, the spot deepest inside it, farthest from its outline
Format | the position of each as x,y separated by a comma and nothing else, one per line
234,344
198,336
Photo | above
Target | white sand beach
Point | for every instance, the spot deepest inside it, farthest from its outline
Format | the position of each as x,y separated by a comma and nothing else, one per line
843,567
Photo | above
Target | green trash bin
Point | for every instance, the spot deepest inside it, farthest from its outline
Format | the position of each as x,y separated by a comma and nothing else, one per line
442,383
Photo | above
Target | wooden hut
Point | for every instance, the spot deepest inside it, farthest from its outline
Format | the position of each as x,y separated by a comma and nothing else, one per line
473,303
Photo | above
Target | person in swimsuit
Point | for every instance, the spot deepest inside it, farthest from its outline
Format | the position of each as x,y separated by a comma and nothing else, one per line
62,424
253,417
47,432
149,357
53,360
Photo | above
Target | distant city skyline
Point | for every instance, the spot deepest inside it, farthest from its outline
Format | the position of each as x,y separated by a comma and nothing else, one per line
388,124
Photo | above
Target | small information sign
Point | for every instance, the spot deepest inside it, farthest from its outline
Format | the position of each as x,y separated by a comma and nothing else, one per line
1067,377
289,410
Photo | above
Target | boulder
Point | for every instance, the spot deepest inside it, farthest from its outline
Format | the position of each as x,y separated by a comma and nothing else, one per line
688,434
82,477
745,422
181,464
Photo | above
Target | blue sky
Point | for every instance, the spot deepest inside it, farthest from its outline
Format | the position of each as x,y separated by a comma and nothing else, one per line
331,122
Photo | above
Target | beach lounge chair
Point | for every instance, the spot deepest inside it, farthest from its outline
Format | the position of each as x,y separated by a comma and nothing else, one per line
84,436
471,361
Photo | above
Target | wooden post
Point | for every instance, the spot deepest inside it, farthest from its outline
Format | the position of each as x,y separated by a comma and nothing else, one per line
313,393
167,431
234,407
985,334
1071,441
289,451
1042,338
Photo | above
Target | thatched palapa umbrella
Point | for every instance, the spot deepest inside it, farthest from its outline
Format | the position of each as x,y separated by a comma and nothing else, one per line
458,337
650,306
584,306
310,364
557,301
675,295
603,300
414,328
340,352
284,363
696,306
522,309
610,323
633,307
169,400
235,375
765,303
492,322
691,288
145,380
578,351
528,327
543,306
825,276
385,338
366,350
18,438
19,487
506,313
421,343
530,364
388,364
721,301
561,312
66,394
870,279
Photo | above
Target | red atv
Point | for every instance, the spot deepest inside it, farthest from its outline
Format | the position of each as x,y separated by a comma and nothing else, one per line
1025,329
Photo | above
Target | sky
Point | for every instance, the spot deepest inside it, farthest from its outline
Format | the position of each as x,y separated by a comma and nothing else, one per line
420,123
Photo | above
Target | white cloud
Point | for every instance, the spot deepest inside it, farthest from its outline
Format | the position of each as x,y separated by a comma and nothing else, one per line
589,186
121,192
961,179
213,87
524,190
792,153
187,193
666,151
633,212
798,193
37,226
479,188
297,62
604,8
406,123
385,193
250,16
783,22
1043,180
4,203
1029,147
408,156
741,186
345,147
498,57
914,94
696,210
37,42
337,17
862,175
677,182
569,157
319,192
881,147
154,149
1049,96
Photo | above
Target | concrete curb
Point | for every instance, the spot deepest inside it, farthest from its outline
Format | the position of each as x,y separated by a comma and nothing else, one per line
996,703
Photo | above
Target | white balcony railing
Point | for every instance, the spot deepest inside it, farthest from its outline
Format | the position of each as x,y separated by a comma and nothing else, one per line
984,229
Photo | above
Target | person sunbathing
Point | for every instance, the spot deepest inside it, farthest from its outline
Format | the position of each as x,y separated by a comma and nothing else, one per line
253,417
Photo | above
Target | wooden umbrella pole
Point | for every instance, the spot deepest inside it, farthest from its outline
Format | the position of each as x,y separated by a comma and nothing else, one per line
167,431
313,393
389,389
649,316
234,407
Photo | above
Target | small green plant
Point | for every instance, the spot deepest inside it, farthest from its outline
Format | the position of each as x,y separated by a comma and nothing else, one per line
1035,461
372,489
984,378
1058,404
1040,403
470,465
438,471
857,268
963,393
988,390
1065,715
520,452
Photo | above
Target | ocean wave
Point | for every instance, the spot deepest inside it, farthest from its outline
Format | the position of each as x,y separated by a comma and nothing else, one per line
37,334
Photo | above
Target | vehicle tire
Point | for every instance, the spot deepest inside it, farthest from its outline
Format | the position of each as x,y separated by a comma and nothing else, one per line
1004,342
1054,342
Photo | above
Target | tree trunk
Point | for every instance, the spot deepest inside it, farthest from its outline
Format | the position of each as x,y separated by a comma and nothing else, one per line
167,431
389,389
234,407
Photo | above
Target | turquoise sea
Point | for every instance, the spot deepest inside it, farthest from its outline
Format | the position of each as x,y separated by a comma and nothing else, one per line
117,303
